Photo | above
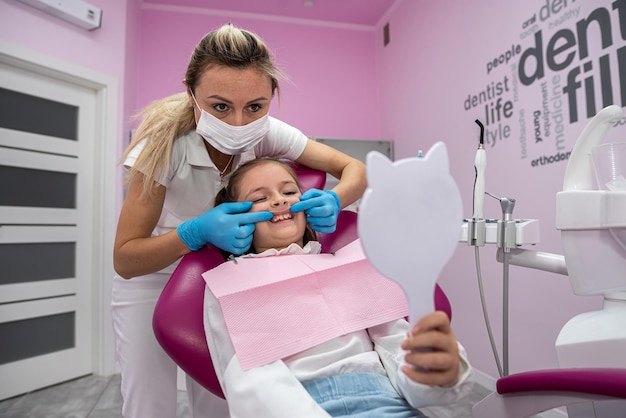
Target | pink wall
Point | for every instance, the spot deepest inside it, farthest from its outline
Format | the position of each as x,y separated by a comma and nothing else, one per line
346,85
101,50
130,71
332,89
438,56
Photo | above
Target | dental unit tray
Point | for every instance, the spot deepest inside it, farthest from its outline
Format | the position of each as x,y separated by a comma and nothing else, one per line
526,231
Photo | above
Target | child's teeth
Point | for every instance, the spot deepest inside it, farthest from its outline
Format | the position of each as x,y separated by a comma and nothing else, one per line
282,217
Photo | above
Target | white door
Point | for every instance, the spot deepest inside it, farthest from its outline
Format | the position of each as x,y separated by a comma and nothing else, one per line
47,128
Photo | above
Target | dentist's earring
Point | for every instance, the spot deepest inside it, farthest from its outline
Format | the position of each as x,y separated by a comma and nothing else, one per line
190,105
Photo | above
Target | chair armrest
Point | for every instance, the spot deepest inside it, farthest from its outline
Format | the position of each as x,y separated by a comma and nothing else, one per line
596,381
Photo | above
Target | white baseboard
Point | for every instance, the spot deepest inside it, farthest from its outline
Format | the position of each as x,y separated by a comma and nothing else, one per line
489,383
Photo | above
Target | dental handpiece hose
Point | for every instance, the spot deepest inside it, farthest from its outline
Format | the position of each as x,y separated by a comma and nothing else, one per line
506,241
480,164
505,300
476,226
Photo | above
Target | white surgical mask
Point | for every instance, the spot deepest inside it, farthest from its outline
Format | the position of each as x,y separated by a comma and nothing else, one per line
230,139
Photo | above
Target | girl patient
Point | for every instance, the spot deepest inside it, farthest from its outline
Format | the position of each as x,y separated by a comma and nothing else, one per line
388,370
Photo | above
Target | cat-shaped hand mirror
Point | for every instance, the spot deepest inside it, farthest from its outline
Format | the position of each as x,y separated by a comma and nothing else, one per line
410,221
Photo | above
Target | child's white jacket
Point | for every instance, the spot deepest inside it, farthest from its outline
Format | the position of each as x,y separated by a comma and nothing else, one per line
274,390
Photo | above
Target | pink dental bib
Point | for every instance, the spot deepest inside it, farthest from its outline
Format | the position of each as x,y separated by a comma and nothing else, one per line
278,306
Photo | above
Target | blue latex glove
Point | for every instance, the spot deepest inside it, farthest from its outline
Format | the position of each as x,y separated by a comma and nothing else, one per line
228,226
321,208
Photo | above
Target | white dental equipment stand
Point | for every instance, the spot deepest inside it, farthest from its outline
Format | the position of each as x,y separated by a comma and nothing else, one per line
591,359
593,231
590,222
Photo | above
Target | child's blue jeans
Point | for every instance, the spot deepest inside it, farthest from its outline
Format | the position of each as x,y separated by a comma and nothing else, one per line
360,395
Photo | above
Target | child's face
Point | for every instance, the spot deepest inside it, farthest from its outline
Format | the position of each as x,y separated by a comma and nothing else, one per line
271,188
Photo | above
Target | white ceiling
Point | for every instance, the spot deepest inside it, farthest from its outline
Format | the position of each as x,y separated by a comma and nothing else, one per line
359,12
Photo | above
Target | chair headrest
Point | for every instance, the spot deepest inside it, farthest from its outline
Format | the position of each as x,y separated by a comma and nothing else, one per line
345,233
310,178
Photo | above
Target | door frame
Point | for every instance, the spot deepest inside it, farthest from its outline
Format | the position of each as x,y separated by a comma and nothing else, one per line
107,176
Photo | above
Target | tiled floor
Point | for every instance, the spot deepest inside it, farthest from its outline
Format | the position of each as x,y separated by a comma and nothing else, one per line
99,397
87,397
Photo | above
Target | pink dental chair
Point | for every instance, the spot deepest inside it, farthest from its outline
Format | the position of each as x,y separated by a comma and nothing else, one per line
178,315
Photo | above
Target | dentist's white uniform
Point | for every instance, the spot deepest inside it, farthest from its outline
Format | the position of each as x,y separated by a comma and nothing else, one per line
148,374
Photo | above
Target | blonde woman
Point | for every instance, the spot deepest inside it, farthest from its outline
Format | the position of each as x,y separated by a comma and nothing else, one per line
182,153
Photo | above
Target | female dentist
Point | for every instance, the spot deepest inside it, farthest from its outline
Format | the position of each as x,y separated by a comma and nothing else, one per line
181,155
